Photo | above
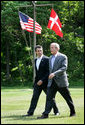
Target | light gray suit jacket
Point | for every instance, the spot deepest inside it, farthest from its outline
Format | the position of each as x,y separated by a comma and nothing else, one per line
59,69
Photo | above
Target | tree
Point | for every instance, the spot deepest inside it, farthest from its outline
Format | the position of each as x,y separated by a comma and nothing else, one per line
17,57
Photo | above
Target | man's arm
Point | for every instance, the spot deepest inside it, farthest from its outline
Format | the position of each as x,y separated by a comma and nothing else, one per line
46,70
45,76
61,70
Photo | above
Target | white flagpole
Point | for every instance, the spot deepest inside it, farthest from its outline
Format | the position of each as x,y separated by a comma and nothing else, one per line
34,55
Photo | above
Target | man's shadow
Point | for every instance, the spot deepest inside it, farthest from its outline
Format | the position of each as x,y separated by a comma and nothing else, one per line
34,117
60,116
21,117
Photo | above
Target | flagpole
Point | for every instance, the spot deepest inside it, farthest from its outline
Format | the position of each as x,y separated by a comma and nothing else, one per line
34,55
34,6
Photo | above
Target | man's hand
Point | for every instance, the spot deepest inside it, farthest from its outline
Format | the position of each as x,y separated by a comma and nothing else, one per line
51,75
39,82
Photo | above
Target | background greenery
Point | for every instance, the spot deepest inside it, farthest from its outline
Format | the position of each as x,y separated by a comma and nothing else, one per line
17,46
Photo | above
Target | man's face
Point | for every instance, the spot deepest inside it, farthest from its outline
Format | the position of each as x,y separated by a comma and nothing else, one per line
39,52
53,49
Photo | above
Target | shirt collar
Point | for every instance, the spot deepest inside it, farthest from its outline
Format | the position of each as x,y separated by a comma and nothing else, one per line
56,54
40,57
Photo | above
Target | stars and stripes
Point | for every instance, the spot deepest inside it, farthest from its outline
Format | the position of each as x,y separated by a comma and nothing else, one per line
27,23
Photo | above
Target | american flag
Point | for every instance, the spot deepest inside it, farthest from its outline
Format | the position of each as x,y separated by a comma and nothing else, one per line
27,23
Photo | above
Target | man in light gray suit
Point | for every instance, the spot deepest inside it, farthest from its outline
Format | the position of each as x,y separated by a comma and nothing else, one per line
58,80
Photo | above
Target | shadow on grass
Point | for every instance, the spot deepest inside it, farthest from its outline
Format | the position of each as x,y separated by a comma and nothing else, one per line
51,116
20,117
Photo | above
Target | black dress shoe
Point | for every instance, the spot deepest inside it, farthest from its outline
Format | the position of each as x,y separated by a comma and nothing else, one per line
42,117
73,114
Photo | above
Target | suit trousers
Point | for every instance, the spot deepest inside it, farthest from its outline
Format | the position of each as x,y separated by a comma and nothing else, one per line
51,92
36,93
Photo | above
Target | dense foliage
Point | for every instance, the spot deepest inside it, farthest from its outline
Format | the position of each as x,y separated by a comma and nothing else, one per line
17,45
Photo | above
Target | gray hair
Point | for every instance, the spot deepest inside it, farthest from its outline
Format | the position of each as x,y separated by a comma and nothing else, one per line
56,45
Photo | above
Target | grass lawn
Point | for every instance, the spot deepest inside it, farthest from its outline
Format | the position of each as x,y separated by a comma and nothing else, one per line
16,101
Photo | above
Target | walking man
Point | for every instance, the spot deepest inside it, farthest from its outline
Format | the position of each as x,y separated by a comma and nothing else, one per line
41,80
57,80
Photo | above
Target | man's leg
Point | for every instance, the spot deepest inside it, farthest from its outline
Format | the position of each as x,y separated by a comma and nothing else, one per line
66,95
36,93
55,108
51,92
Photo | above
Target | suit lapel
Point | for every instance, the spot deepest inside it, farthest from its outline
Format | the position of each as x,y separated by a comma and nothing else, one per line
56,61
41,61
50,66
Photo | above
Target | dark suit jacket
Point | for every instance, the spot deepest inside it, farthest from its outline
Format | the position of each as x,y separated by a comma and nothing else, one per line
43,72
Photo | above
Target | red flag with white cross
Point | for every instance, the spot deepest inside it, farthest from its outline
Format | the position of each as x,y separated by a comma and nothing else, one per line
55,24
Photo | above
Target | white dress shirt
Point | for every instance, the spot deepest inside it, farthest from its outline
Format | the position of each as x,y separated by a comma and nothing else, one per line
38,62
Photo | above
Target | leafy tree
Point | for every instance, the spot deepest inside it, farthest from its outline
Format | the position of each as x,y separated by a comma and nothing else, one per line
17,46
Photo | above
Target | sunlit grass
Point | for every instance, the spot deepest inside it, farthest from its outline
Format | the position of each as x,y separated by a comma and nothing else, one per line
15,103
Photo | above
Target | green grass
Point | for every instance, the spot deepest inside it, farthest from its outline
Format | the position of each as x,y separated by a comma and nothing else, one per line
15,103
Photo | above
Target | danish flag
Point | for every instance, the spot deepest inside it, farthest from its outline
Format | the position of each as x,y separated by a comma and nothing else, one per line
55,24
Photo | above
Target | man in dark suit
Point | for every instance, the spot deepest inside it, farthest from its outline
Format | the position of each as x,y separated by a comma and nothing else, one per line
41,80
57,80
